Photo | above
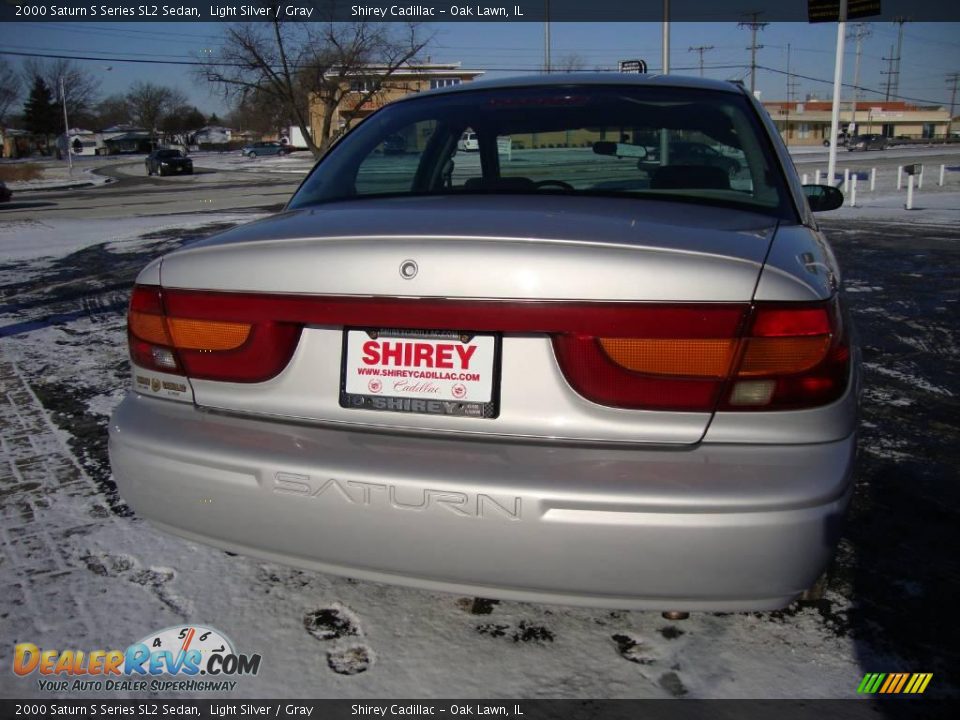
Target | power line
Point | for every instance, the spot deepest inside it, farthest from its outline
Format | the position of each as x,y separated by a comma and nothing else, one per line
849,85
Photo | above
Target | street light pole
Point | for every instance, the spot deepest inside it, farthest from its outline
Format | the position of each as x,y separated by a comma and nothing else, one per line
837,84
66,126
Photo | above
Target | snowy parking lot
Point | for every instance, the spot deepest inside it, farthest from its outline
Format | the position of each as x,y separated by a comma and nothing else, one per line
78,569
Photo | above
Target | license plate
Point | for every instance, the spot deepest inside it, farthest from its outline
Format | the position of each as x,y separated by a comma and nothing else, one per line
427,372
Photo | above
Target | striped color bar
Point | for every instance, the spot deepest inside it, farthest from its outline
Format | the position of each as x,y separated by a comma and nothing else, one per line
894,683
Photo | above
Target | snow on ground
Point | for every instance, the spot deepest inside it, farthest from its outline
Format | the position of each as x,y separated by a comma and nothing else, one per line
25,239
57,174
78,570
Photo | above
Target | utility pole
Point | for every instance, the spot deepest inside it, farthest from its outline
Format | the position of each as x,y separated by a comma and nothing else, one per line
665,46
889,72
896,78
701,49
791,93
953,78
66,126
754,26
860,31
837,85
546,37
893,75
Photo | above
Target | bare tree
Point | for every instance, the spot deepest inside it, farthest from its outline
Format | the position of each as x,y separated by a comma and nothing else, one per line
571,62
113,110
331,66
80,87
259,113
149,103
9,89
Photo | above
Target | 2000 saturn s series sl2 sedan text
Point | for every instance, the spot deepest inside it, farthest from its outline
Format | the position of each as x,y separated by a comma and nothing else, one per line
549,370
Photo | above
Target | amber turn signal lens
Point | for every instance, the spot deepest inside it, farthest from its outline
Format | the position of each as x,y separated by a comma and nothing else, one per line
207,334
684,357
782,355
148,327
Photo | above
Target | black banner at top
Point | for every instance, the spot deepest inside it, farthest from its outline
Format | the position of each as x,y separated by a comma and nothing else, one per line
465,10
829,10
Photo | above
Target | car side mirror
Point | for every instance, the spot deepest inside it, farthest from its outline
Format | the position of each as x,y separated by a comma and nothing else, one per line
823,197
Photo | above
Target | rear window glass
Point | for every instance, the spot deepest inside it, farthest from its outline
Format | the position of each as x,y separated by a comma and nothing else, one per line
686,144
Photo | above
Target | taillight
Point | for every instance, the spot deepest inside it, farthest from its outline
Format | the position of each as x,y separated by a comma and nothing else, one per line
663,358
784,357
792,357
680,357
171,331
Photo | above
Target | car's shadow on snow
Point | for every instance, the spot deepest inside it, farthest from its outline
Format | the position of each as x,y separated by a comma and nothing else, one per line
898,562
25,205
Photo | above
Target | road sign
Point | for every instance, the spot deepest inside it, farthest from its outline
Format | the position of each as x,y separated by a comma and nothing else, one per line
633,66
829,10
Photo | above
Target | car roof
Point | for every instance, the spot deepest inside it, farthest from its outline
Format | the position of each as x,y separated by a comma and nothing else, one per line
597,79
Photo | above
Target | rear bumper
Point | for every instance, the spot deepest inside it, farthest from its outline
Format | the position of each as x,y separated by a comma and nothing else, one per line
712,527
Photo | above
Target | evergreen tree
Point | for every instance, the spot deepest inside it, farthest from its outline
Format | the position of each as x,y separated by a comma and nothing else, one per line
40,114
213,120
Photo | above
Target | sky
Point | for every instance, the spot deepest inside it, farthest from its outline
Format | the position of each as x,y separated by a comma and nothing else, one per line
930,52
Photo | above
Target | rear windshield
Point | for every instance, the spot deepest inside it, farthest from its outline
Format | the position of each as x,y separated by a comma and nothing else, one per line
169,154
702,146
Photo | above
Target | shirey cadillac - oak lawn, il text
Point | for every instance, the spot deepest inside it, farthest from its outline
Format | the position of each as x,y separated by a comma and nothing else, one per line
601,359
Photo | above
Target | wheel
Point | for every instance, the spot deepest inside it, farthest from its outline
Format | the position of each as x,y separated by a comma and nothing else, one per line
553,183
252,154
149,170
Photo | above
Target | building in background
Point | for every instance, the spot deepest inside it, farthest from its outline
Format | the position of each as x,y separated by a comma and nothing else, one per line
808,123
401,82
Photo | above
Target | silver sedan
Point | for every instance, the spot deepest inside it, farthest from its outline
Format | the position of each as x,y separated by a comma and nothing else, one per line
552,370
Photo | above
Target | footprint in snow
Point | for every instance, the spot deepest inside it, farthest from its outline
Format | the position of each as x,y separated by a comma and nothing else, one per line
634,650
335,623
351,660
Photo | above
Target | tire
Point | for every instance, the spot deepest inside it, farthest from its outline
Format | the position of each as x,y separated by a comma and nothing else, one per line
149,170
251,154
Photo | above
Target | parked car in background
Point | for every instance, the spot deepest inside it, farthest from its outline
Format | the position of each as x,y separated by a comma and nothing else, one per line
267,147
468,142
167,161
867,142
5,192
843,138
554,377
692,153
394,145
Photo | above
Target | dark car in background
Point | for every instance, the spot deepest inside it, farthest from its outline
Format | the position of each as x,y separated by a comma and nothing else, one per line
168,162
694,153
5,192
267,147
867,142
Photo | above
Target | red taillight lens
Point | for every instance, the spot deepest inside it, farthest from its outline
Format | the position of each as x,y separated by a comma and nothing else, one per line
177,331
701,358
793,357
668,358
